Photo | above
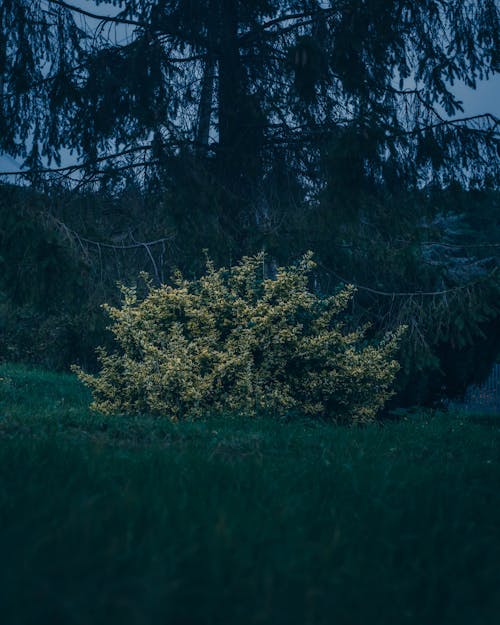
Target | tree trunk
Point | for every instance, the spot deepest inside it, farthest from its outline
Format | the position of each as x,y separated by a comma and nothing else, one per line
205,107
231,81
239,122
207,85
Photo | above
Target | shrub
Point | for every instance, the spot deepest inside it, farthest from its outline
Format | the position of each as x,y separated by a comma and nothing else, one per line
234,341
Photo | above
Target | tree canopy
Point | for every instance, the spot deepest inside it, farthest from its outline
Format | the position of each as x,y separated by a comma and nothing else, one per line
252,83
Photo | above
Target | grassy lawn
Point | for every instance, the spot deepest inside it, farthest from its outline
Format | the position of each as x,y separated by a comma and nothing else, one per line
138,520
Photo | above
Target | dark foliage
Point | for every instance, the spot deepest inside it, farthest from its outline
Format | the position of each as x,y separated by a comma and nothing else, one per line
262,76
238,125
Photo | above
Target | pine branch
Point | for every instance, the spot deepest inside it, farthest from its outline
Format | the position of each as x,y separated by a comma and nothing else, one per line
442,292
102,18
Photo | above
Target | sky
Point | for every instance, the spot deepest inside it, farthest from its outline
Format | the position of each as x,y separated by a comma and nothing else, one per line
485,99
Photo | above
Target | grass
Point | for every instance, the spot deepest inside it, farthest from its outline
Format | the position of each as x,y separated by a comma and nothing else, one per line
138,520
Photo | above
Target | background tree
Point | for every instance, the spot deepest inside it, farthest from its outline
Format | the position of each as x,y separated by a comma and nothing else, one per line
254,77
289,125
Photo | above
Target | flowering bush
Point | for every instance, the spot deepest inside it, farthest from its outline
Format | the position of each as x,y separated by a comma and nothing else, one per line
234,341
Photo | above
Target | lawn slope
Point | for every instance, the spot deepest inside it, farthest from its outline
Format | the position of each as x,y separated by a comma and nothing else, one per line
137,520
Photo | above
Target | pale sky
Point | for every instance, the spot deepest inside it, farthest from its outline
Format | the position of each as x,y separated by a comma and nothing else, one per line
485,99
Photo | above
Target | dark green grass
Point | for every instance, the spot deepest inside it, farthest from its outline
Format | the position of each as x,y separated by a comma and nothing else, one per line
138,520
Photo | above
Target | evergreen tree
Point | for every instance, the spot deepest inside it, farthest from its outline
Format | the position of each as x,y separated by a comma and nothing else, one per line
325,125
365,83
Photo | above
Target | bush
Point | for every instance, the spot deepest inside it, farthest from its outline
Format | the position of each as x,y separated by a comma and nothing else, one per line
234,341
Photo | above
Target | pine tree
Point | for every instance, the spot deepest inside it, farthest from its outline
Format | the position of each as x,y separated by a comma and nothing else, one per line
329,125
367,82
